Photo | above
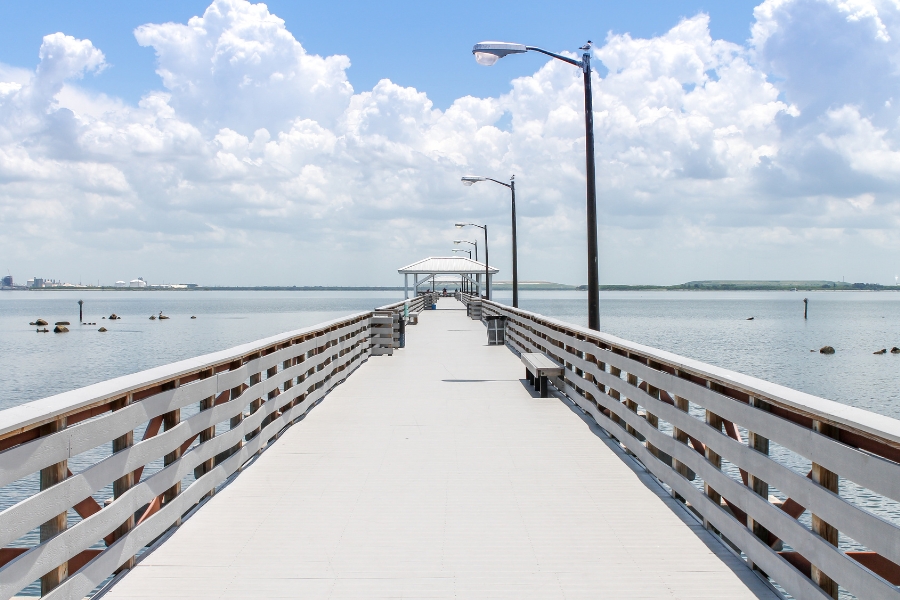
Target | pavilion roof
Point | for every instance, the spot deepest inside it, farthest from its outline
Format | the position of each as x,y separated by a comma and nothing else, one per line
450,265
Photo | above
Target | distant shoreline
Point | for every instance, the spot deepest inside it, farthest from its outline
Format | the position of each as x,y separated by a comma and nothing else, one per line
691,286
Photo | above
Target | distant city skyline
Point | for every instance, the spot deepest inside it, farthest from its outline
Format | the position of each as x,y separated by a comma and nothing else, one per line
294,143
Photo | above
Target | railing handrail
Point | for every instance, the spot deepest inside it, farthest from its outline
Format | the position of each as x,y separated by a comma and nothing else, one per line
32,414
685,420
868,423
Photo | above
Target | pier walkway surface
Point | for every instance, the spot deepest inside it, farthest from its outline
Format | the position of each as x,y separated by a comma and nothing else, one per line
439,473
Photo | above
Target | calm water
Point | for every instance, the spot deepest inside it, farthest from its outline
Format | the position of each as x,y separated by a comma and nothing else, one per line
708,326
36,365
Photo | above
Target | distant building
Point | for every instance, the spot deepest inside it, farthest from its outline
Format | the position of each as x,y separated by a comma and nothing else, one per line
137,283
7,281
36,282
121,284
191,286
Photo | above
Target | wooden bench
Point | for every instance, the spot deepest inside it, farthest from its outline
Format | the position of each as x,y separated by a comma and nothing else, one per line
538,367
413,318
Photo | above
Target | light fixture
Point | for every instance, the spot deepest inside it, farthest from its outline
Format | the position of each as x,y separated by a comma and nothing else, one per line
472,179
488,53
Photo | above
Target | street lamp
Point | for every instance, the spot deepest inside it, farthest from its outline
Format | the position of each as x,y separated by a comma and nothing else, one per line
457,242
487,279
470,258
488,53
473,179
470,243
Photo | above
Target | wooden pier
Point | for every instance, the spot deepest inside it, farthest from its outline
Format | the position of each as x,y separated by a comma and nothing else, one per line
440,472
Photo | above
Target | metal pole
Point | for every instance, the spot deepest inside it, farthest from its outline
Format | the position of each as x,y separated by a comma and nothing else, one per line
593,261
515,265
487,280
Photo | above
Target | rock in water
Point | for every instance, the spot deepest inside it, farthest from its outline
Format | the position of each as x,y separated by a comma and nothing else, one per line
60,329
32,323
882,351
114,316
895,350
152,317
41,323
193,317
826,350
62,323
751,318
102,330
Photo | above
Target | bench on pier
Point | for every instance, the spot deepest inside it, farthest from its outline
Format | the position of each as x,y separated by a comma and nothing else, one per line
538,367
413,318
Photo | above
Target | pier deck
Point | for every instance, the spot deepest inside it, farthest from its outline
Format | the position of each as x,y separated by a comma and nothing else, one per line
439,473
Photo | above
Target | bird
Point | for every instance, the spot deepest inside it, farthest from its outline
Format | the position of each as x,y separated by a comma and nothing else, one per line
586,46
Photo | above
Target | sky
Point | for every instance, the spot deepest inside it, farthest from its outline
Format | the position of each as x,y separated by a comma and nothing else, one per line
300,143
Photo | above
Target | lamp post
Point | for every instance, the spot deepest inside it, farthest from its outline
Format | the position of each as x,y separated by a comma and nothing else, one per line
470,258
471,180
457,242
487,279
488,53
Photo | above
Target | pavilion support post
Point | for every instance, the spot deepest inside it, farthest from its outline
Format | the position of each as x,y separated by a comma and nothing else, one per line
406,286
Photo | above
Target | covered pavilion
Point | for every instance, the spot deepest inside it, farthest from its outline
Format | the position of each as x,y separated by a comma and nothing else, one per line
435,268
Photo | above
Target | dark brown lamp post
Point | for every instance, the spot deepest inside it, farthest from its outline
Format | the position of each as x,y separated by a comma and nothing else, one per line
488,53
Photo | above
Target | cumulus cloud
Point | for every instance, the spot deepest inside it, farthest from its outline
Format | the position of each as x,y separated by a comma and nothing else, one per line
256,162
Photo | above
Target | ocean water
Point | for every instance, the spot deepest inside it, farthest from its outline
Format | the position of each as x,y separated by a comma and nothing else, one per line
708,326
36,365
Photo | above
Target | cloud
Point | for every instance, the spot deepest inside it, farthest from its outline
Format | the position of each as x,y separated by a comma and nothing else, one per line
237,66
257,163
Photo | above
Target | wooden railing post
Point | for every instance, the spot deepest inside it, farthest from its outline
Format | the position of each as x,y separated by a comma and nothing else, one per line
631,404
170,420
683,405
207,434
50,476
614,393
254,406
829,480
760,487
652,419
714,421
236,420
124,483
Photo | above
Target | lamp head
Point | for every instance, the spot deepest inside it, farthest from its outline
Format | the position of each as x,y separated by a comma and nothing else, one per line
471,179
460,225
487,53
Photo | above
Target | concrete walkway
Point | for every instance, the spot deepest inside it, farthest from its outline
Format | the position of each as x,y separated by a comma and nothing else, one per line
437,473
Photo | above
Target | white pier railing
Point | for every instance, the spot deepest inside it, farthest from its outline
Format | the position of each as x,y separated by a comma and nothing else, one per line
200,420
723,442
